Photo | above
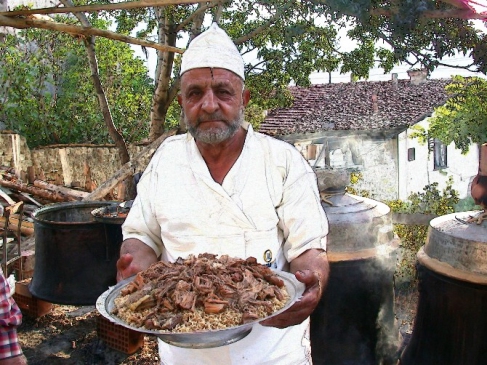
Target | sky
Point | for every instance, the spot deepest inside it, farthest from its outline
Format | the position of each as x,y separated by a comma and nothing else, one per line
375,74
401,70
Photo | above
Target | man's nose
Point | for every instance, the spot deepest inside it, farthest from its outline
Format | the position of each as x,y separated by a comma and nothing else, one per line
210,103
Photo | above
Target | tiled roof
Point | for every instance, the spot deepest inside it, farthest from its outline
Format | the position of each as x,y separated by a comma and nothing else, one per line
350,106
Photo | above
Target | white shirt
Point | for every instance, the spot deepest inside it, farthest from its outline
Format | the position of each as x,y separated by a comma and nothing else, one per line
267,207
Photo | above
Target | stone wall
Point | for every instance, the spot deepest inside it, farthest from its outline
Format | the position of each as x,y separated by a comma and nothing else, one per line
14,151
379,170
374,159
64,164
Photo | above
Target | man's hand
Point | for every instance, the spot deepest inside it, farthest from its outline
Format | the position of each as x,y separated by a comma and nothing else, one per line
135,256
312,269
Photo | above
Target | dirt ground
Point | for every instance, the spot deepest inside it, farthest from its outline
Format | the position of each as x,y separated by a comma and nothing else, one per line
68,335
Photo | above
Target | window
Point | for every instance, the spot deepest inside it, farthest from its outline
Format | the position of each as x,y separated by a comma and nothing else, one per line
411,154
439,155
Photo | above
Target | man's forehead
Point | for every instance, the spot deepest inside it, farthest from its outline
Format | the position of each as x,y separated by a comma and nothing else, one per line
209,75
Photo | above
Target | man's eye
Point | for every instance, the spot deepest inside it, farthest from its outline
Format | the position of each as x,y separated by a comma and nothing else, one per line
224,92
194,93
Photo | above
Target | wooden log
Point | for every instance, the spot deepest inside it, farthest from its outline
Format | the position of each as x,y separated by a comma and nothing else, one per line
6,197
54,196
31,174
30,199
76,194
26,228
90,185
127,169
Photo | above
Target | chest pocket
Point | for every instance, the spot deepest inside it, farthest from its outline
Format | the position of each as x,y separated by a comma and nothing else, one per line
265,246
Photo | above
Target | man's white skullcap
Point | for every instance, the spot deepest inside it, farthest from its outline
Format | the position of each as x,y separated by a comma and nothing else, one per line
213,48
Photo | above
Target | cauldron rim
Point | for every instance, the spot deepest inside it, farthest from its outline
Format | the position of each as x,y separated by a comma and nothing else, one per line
37,214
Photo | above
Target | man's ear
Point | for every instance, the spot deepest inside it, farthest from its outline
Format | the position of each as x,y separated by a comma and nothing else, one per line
245,97
180,99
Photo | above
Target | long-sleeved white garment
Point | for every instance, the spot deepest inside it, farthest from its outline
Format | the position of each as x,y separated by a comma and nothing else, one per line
268,207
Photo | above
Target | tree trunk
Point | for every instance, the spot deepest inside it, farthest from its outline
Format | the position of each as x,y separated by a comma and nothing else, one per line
105,108
165,92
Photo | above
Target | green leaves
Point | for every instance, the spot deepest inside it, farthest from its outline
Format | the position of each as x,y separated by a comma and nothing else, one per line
463,119
413,237
48,95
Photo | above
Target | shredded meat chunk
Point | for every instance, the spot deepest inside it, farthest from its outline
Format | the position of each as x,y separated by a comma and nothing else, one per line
200,293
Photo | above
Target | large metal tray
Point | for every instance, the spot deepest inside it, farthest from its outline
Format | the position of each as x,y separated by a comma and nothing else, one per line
202,339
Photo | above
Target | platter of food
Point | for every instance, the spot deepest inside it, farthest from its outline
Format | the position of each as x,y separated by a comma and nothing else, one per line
200,302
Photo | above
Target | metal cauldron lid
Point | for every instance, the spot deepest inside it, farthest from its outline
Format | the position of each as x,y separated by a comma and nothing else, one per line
112,214
455,241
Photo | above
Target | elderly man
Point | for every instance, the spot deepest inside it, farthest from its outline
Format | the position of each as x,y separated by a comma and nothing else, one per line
225,189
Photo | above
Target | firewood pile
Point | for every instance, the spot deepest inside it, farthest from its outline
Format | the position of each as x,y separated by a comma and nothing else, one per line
20,196
34,190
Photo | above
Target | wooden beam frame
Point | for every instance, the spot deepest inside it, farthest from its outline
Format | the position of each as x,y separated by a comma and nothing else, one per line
22,23
93,8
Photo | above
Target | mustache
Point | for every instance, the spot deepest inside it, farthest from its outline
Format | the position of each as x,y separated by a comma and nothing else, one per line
207,117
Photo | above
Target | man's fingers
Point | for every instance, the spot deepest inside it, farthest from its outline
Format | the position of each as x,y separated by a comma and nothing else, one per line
309,278
124,261
123,264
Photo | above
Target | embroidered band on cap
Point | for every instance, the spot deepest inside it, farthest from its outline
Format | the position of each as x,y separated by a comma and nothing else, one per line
213,48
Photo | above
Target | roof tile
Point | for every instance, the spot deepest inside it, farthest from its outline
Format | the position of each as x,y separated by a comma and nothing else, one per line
350,106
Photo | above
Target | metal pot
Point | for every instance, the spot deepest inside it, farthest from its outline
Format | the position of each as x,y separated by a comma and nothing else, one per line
451,321
354,322
75,255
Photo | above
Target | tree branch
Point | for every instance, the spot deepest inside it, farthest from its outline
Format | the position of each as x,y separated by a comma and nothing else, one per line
437,14
197,13
98,7
265,25
100,92
457,4
83,31
465,67
128,168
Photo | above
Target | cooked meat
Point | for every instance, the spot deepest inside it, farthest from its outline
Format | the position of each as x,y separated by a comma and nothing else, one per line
185,295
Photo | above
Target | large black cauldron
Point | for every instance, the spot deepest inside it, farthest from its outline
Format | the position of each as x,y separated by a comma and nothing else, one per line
75,256
450,327
354,323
